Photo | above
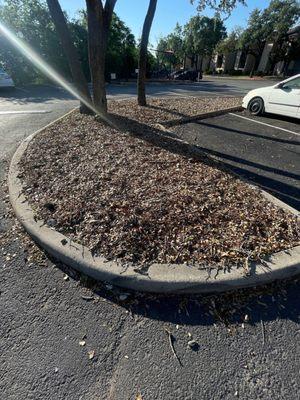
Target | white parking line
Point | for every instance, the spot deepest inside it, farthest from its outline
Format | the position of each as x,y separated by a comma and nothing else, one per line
22,90
263,123
25,112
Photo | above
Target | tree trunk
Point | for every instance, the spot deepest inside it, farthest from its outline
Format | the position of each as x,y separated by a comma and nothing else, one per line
143,53
99,19
200,75
253,67
70,52
97,53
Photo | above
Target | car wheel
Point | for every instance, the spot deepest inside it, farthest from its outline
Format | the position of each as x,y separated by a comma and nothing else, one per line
256,106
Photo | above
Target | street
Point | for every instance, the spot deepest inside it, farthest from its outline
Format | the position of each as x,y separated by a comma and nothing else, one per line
27,109
248,342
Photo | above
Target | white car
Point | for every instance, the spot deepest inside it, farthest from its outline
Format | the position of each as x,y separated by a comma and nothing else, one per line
282,98
5,80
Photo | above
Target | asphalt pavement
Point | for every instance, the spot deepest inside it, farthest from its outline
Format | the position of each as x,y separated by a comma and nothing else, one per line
67,339
264,150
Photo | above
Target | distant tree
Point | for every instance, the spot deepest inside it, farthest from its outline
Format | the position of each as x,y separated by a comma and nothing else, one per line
144,52
79,33
284,50
252,40
230,43
282,15
272,23
121,56
201,35
220,6
70,51
174,43
30,19
121,49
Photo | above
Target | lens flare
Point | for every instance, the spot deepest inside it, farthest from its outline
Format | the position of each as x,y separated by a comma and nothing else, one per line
45,68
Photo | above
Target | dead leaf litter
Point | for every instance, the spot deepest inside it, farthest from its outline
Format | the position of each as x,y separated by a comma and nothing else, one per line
134,202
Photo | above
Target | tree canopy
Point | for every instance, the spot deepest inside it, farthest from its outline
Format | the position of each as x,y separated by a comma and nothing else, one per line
170,49
31,20
230,43
201,35
219,6
269,24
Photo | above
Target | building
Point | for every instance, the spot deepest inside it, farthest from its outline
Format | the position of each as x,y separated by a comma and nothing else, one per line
239,62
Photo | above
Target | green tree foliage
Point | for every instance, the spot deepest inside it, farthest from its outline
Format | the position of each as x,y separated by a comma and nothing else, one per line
30,19
230,43
271,23
220,6
201,35
170,49
121,49
122,53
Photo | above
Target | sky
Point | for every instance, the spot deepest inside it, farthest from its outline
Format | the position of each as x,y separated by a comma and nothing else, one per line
168,12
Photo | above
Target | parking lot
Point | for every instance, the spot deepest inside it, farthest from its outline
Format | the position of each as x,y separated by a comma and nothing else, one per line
44,316
263,149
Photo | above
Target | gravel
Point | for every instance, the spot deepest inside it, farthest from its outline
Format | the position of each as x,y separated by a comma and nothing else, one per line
139,200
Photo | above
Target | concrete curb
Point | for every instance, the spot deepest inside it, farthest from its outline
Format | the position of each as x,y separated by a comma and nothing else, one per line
182,121
161,278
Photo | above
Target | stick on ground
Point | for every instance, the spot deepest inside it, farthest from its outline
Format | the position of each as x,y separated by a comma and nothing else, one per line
263,332
171,339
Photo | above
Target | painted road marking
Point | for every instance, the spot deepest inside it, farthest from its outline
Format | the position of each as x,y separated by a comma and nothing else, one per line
25,112
22,90
263,123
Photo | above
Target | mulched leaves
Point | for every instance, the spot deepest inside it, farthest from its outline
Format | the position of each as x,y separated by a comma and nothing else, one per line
161,110
139,203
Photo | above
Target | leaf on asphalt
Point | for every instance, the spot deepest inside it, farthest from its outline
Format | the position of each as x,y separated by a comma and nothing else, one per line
193,345
123,296
91,354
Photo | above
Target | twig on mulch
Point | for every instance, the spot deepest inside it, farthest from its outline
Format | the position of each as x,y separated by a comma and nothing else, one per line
263,332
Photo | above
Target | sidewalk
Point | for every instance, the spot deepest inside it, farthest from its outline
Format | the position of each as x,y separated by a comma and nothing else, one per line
244,77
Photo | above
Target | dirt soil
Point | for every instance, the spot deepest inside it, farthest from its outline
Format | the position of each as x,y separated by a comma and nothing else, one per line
139,200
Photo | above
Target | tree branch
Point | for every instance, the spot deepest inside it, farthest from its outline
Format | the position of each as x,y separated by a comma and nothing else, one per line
109,9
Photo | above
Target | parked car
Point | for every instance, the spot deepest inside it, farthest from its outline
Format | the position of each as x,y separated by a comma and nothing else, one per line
187,76
282,98
5,80
175,73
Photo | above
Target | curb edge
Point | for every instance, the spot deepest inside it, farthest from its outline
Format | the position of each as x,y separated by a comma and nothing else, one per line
161,278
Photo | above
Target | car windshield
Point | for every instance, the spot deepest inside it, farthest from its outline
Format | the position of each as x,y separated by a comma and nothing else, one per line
293,84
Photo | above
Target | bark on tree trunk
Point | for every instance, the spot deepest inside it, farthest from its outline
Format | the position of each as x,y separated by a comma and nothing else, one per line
200,69
143,53
97,53
99,19
253,68
70,52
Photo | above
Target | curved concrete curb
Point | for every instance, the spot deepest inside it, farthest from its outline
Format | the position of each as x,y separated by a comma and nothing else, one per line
161,278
